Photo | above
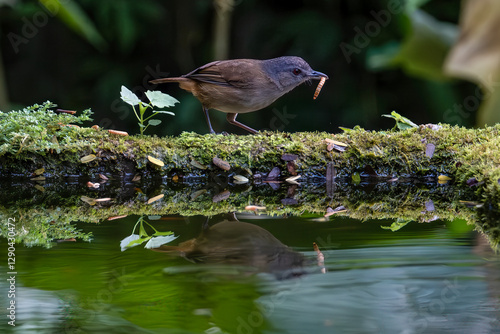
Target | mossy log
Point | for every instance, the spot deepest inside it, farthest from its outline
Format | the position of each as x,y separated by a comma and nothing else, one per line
464,157
385,174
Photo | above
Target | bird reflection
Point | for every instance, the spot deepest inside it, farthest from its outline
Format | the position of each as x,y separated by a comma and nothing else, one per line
237,243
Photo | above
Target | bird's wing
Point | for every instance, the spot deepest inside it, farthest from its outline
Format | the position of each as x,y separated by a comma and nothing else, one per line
226,73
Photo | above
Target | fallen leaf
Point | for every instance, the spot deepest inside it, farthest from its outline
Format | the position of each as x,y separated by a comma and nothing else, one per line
222,164
88,158
197,194
39,188
444,178
156,198
335,142
429,205
197,164
221,196
88,200
293,179
274,173
290,167
289,157
239,179
39,171
105,199
339,209
155,161
429,150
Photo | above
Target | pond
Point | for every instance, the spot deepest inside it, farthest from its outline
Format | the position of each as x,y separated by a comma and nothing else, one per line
256,273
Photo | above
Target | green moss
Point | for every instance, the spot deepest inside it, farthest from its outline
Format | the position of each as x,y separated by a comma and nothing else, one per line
38,128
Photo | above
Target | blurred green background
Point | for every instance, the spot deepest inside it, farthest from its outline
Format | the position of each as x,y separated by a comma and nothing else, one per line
381,55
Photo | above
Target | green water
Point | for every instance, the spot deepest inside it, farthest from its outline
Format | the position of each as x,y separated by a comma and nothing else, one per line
437,277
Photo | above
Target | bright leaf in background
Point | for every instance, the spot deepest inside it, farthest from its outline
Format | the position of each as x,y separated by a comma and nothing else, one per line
75,18
476,55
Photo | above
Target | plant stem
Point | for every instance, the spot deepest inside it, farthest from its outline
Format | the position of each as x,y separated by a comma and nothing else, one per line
142,109
136,115
150,116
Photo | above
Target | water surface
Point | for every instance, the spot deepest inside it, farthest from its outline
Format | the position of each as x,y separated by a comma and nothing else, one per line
437,277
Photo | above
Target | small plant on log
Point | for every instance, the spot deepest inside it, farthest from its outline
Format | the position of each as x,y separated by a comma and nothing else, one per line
156,99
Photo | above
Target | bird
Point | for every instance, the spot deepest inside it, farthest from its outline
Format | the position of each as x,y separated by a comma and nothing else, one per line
239,86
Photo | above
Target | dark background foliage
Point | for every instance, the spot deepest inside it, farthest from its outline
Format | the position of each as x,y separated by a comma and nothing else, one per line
148,38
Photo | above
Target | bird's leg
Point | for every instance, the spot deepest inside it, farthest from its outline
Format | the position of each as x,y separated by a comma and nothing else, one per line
207,117
231,118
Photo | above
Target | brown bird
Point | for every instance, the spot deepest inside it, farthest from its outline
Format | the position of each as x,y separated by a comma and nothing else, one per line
244,85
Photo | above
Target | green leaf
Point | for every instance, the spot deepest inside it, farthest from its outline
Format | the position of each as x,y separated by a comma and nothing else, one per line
142,231
160,100
164,112
156,242
137,242
346,130
76,19
163,233
154,122
412,5
397,225
402,123
423,49
143,106
126,242
128,97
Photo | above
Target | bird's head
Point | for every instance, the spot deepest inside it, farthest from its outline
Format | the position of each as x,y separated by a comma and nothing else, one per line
288,72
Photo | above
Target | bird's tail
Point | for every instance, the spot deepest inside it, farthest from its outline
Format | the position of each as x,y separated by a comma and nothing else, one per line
164,80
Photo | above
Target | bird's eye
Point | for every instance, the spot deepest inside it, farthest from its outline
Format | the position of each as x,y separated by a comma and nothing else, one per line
296,71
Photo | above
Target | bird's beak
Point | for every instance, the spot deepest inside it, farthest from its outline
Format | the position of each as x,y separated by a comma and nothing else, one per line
317,75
